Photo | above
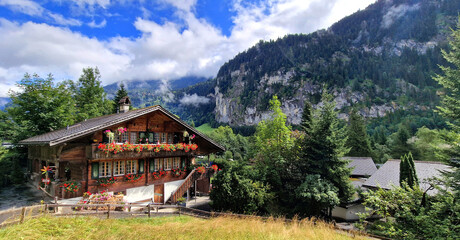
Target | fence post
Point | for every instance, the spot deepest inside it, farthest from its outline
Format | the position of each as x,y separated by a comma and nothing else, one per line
129,208
23,213
157,209
108,211
179,210
55,202
148,206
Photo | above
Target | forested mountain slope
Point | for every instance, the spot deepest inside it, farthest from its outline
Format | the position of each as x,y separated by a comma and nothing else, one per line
381,59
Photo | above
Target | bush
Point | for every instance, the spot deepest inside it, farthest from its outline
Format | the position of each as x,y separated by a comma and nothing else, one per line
233,191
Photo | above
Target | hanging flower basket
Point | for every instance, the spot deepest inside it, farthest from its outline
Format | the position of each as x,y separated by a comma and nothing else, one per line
201,170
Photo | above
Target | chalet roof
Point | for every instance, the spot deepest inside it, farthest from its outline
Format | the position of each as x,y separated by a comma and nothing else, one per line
90,126
388,175
363,166
124,100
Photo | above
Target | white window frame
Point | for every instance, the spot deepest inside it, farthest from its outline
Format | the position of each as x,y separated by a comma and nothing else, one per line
158,163
176,162
170,138
118,168
105,169
168,163
163,137
131,167
124,137
133,137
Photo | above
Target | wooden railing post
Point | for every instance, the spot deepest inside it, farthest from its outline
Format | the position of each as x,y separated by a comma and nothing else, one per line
108,211
55,202
148,206
23,213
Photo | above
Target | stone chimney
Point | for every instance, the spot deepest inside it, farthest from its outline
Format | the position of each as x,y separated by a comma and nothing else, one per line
123,104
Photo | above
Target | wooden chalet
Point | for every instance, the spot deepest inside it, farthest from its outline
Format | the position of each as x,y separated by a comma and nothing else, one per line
147,151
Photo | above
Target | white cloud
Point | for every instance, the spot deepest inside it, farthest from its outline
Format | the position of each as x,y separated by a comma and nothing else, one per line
60,20
93,24
395,12
40,48
23,6
166,50
34,9
193,100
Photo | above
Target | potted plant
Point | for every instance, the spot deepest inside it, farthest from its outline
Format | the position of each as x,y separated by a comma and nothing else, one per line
181,202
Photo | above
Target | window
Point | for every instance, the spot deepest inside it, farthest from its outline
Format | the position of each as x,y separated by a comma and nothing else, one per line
163,137
119,168
170,138
156,138
151,137
124,137
158,163
168,163
176,163
105,169
131,166
133,136
142,136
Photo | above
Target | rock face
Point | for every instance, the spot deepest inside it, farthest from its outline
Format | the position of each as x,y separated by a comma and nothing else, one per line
386,32
229,111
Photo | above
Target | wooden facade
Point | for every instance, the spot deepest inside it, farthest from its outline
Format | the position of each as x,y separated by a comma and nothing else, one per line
80,159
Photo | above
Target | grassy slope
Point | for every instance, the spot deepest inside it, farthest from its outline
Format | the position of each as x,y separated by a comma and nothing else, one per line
166,228
205,128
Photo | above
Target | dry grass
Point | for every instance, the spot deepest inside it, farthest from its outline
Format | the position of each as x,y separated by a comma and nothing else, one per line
183,227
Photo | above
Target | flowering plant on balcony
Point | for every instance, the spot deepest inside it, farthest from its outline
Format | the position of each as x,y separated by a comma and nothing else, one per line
110,135
105,182
70,186
121,130
110,148
132,178
158,174
117,148
176,172
201,169
215,168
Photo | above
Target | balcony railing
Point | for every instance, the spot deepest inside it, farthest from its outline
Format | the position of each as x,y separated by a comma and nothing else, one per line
121,151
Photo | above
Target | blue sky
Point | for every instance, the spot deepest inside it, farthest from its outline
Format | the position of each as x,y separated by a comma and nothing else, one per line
147,39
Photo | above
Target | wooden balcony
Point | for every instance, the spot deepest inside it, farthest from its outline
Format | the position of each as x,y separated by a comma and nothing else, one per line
93,153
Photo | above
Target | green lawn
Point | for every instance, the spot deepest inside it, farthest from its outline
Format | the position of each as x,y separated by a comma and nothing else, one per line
205,128
176,227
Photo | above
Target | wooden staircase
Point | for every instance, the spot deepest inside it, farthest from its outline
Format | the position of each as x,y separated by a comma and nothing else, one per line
188,182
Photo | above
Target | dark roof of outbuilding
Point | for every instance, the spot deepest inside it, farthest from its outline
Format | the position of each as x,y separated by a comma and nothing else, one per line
124,100
388,175
362,166
100,123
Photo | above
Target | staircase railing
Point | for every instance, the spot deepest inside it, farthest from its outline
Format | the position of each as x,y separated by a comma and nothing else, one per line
188,182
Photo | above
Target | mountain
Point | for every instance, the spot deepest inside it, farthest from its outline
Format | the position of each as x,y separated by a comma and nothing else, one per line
380,59
145,93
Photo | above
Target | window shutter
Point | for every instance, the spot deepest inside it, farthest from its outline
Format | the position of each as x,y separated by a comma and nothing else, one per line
141,166
152,165
95,170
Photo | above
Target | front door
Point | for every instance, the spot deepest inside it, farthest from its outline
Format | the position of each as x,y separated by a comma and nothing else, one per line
158,195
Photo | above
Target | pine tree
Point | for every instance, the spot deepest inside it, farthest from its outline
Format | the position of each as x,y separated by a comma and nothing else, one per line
407,172
121,93
325,148
450,80
90,95
358,140
305,122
